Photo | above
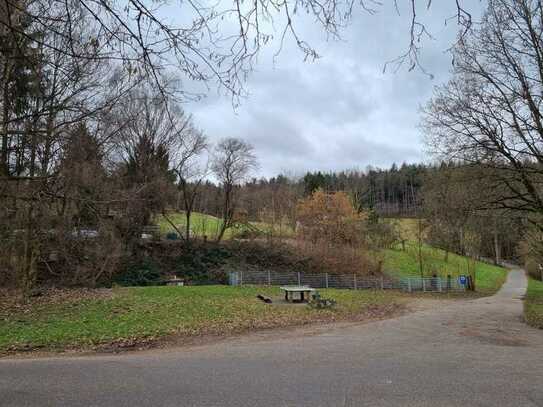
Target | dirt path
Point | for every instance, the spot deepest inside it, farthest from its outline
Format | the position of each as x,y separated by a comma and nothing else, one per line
465,353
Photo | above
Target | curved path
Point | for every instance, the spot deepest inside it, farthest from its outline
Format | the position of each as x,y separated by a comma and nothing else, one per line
466,353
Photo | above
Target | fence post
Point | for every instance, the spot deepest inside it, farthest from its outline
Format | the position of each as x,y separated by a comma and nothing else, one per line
326,279
241,277
382,283
423,285
408,284
354,278
299,279
439,281
269,277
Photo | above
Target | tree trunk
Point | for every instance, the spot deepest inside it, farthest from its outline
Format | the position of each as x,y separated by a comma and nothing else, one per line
226,215
420,261
222,230
4,167
497,251
462,250
421,269
27,259
188,213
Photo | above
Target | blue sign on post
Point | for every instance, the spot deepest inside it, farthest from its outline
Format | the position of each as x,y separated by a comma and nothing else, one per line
462,280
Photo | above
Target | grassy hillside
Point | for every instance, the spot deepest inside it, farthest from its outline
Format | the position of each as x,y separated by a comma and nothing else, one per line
399,263
533,303
202,224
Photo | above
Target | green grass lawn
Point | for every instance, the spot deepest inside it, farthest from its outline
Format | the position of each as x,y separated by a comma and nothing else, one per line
533,303
202,224
399,263
135,314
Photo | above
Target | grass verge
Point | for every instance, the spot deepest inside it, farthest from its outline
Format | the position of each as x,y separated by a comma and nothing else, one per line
533,303
128,317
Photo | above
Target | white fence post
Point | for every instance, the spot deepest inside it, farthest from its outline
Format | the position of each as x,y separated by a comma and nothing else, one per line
423,285
439,281
354,278
326,279
382,283
299,279
269,277
408,284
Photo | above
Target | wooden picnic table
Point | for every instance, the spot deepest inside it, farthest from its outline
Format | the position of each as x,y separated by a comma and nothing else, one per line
299,290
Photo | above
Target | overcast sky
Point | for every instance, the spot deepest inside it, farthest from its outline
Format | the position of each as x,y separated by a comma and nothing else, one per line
341,111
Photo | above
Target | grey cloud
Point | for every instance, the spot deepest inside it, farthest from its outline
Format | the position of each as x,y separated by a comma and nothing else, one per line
340,111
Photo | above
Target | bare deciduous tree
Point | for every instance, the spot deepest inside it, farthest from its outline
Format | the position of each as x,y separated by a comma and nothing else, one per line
191,171
489,113
232,162
214,42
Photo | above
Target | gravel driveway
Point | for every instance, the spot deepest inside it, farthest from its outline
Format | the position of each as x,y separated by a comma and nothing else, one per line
460,353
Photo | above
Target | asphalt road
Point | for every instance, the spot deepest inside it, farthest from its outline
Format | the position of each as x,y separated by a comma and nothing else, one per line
467,353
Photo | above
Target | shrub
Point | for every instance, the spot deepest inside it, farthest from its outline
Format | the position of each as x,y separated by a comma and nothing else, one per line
531,250
248,234
383,235
85,257
141,273
337,259
201,264
330,218
532,267
333,235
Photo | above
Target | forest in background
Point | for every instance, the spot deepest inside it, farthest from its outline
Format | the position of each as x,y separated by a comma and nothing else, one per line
451,198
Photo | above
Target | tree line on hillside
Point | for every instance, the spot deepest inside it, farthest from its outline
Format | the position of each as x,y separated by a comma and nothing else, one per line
392,192
452,198
453,203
